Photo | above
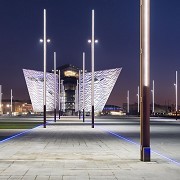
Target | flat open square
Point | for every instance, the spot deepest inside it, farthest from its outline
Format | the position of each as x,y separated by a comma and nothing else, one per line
71,149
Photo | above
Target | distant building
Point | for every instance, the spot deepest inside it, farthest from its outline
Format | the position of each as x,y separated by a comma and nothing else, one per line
71,101
159,109
18,107
112,110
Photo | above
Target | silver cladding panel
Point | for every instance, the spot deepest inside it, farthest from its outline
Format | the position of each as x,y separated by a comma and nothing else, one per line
34,81
104,82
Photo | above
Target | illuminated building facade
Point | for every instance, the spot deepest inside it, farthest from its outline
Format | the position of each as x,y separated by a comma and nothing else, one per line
19,107
70,101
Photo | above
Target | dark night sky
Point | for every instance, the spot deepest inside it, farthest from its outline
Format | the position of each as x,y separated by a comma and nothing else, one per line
69,27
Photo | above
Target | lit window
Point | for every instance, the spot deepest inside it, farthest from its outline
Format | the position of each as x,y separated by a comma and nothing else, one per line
70,73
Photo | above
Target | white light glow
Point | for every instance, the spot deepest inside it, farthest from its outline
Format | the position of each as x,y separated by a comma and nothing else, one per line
48,40
41,40
96,41
146,42
89,41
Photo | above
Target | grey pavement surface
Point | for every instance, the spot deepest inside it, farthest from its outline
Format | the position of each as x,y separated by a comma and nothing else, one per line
70,149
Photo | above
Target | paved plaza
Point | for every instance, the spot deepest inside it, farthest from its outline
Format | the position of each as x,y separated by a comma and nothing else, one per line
70,149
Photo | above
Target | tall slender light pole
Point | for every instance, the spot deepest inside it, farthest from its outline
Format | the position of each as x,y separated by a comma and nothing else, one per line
76,98
11,103
79,107
54,86
92,64
176,88
153,98
62,98
0,98
138,99
92,41
128,101
44,90
59,94
145,79
83,85
44,41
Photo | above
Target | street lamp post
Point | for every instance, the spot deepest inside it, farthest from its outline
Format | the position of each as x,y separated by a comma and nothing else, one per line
83,85
92,61
176,88
79,107
138,99
92,41
59,94
11,103
44,90
44,41
128,102
77,97
0,98
153,98
145,80
54,86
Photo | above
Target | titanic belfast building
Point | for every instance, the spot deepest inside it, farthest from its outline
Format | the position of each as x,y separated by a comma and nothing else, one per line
70,94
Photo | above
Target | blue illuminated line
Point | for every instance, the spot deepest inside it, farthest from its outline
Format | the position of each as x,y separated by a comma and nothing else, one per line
119,136
19,134
137,144
169,159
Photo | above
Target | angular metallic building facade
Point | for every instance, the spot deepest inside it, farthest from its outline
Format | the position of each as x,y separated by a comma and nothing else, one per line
104,82
34,81
103,85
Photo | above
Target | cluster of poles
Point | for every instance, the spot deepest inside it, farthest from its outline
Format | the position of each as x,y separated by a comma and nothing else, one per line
153,99
144,77
92,41
11,105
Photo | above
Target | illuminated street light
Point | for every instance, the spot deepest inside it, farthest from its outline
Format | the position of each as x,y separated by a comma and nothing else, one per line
92,41
145,80
44,41
95,41
48,41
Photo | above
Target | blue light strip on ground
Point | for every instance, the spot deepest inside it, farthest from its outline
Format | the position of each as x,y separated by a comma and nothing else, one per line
19,134
137,144
169,159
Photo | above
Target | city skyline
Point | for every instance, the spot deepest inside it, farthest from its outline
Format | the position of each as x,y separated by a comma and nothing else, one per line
69,28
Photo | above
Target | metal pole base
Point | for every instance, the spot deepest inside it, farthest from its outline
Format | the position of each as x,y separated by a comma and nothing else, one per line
79,114
92,116
44,116
83,115
146,154
54,115
59,114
